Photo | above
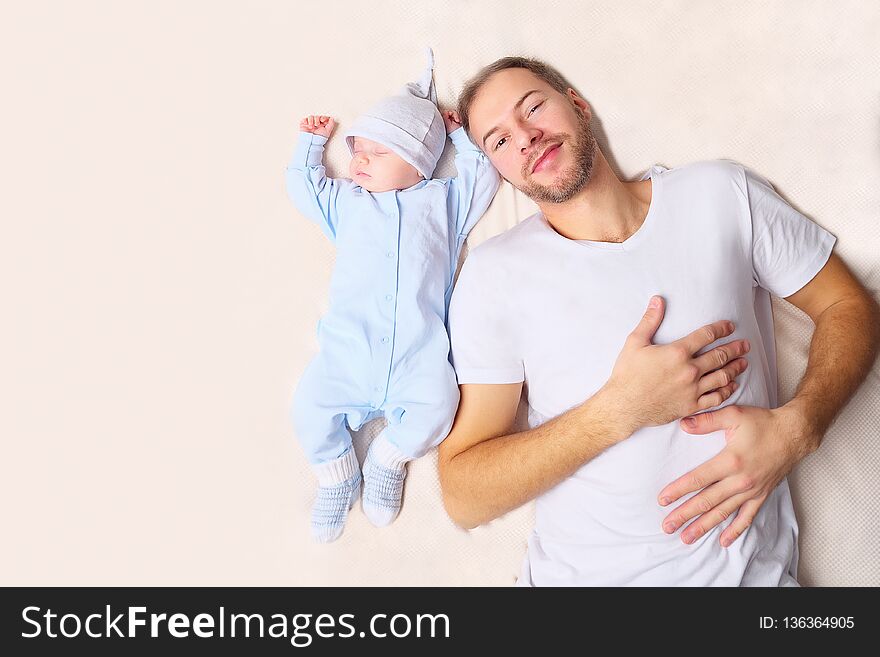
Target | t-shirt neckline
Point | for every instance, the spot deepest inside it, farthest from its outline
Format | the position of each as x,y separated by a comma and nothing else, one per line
630,242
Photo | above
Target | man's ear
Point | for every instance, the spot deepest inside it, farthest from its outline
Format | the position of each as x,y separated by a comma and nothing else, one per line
579,102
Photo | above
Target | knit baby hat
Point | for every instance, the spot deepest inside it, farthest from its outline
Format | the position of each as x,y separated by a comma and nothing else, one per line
409,123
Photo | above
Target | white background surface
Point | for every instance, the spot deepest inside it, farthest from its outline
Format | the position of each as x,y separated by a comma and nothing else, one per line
160,292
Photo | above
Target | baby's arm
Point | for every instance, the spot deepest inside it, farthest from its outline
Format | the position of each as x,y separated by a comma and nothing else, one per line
313,193
473,189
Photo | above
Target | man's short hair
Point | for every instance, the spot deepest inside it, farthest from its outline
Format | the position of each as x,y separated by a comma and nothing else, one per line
540,69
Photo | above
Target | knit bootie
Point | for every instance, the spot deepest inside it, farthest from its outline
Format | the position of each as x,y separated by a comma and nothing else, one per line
384,473
339,485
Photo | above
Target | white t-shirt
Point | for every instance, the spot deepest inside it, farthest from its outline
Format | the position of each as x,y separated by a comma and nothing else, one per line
531,305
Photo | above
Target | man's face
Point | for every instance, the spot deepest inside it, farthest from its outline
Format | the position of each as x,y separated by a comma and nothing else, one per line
538,139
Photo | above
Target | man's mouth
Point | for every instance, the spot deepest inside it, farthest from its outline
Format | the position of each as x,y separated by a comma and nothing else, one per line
545,159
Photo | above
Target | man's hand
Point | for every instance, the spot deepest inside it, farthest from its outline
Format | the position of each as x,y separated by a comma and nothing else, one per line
452,121
758,455
318,124
656,384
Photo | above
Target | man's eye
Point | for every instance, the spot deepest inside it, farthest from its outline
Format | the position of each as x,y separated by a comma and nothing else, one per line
498,143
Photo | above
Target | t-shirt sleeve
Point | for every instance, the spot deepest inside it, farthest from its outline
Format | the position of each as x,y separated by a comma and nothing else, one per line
481,331
787,248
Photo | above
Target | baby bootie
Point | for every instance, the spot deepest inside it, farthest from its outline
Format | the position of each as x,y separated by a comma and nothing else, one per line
339,485
384,472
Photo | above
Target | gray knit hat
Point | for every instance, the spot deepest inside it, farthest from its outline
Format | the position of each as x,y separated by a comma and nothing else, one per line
409,123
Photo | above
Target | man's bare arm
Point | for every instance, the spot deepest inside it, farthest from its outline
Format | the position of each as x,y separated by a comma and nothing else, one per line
842,350
485,471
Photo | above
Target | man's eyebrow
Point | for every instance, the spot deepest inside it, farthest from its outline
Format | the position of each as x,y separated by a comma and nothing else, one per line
515,107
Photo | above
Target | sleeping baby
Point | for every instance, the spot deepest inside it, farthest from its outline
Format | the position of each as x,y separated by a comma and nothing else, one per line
384,348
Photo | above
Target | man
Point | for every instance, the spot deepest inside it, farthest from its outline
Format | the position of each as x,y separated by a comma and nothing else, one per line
551,303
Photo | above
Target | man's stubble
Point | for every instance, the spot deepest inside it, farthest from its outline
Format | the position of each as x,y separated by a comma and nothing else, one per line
572,180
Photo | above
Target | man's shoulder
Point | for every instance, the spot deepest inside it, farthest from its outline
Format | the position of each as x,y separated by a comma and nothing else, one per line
506,245
711,181
705,171
498,262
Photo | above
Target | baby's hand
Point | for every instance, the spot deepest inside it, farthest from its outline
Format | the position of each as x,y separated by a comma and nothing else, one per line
318,125
452,120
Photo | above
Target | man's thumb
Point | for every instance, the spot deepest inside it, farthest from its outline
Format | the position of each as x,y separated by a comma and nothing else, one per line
650,321
722,419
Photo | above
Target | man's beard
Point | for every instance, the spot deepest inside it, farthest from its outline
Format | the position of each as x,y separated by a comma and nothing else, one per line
576,177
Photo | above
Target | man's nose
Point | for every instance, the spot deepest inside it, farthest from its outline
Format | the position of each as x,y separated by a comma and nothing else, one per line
527,138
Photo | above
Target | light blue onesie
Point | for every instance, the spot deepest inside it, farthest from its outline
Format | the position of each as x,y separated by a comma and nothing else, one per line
384,348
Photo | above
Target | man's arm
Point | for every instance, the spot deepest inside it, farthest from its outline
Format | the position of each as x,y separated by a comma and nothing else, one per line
764,445
842,350
485,471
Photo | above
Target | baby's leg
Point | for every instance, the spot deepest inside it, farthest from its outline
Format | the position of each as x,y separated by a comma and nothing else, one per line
319,419
413,428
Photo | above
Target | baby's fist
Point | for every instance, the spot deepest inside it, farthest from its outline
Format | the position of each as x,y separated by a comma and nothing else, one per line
452,121
318,124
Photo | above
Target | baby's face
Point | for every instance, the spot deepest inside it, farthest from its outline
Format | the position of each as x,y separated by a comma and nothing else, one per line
377,168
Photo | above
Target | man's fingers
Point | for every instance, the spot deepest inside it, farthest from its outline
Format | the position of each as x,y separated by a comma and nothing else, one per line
716,397
714,517
713,470
744,518
721,356
650,321
702,423
724,376
706,335
711,500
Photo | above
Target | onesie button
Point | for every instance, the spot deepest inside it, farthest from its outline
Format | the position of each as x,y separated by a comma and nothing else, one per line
385,339
388,297
390,254
378,388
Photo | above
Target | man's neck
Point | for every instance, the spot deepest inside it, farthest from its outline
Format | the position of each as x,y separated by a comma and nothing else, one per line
606,210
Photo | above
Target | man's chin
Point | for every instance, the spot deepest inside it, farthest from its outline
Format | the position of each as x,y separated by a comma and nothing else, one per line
558,191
